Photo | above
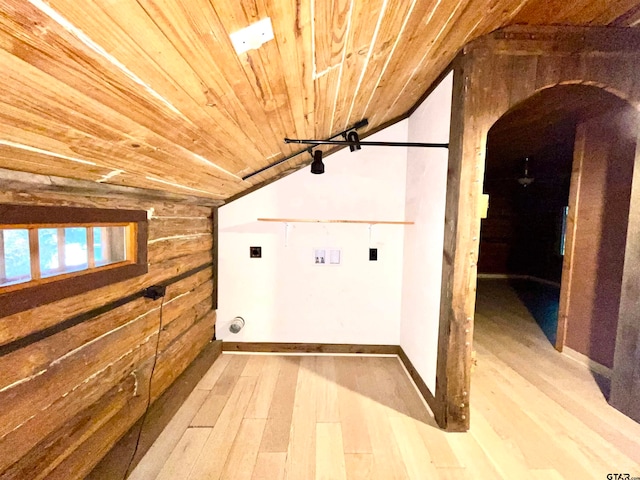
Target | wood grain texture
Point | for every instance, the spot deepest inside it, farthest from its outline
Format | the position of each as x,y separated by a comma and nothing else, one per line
150,94
275,438
72,393
164,424
529,422
330,463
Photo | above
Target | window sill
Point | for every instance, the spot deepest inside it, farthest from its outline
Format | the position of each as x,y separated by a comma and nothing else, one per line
57,289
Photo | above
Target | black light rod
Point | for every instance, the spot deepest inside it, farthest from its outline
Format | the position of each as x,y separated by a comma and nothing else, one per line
365,143
362,123
275,164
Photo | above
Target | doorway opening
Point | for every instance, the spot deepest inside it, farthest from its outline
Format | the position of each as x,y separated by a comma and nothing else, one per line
558,174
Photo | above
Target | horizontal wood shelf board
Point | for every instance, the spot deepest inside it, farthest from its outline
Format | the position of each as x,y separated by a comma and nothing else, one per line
315,220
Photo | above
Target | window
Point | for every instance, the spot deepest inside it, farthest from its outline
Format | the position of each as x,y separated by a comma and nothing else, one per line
48,253
563,230
40,253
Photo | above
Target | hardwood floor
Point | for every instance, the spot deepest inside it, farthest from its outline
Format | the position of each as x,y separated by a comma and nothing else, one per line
536,414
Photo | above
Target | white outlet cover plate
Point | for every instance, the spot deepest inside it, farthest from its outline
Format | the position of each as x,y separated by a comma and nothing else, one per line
253,36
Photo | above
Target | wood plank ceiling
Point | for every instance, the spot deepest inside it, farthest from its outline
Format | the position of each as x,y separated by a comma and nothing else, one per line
151,94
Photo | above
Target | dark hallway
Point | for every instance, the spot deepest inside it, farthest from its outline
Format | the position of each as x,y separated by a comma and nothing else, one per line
558,174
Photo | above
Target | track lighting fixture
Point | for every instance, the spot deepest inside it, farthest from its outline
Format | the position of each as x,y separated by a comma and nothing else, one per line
355,141
350,139
317,166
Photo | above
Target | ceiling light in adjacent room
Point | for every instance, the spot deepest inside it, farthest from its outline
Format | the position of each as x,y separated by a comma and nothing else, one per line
253,36
526,180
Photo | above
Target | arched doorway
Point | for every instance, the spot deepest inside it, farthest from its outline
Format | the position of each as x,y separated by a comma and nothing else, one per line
559,168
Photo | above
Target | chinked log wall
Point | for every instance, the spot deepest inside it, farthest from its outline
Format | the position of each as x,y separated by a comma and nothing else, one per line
68,397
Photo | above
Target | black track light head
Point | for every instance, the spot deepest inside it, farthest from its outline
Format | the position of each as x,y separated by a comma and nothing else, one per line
353,137
317,167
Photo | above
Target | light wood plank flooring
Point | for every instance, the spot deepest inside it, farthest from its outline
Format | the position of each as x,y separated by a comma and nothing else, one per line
536,414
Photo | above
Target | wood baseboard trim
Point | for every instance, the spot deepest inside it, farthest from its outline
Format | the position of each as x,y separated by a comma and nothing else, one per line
587,362
267,347
114,464
422,388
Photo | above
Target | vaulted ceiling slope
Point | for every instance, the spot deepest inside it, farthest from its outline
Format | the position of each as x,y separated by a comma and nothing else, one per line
151,94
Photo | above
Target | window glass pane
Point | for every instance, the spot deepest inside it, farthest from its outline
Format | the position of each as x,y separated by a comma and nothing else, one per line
62,250
48,244
75,249
98,250
109,244
563,233
15,258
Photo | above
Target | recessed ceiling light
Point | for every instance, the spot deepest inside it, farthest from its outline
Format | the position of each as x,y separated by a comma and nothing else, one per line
253,36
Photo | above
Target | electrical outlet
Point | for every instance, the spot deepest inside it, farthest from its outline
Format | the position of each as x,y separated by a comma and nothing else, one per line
154,292
373,254
255,252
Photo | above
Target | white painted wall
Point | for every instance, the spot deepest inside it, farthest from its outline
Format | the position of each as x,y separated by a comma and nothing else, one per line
284,296
423,242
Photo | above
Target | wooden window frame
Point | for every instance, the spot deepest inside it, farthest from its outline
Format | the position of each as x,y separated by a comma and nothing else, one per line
20,297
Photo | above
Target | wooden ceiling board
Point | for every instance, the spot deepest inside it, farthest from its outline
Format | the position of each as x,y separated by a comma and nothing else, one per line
442,34
107,85
581,12
55,110
386,36
151,94
263,73
35,82
330,29
421,30
193,26
293,33
171,75
135,40
37,162
361,31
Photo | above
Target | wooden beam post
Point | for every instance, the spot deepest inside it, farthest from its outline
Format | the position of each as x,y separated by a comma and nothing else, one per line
462,226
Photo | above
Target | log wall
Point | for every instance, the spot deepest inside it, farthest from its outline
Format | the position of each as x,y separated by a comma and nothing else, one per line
68,397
